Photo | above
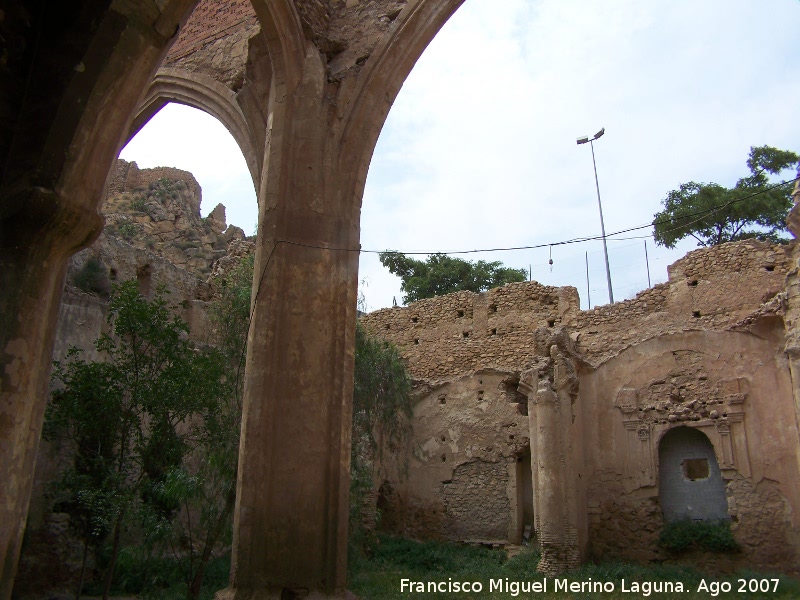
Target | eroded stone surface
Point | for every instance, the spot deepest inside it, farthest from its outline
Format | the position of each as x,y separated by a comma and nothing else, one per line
703,350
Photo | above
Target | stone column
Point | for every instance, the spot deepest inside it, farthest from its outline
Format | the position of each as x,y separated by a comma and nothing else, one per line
553,464
290,520
34,248
792,315
67,106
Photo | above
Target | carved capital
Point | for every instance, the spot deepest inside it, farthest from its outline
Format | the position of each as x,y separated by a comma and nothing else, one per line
528,382
545,393
628,403
723,426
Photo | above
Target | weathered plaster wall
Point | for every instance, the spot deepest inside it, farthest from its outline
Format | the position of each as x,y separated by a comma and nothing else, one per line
705,349
468,435
732,386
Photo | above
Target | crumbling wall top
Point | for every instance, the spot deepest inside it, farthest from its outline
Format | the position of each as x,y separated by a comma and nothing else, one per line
716,288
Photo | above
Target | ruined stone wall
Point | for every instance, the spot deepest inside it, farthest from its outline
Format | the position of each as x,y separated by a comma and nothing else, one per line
449,336
460,481
354,31
477,505
703,350
711,288
214,41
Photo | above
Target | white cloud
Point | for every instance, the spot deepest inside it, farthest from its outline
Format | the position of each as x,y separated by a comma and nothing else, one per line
479,149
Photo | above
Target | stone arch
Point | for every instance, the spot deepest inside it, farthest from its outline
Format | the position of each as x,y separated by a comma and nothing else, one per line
202,92
71,83
72,104
690,482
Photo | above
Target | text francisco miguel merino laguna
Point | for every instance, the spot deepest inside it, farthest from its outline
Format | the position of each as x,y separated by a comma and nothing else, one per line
514,588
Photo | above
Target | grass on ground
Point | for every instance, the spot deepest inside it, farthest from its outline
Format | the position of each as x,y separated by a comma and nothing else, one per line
379,577
394,559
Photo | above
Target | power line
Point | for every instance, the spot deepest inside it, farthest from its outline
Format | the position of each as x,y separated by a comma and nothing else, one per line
700,214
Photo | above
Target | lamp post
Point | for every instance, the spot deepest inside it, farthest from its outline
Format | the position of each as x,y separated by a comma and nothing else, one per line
583,140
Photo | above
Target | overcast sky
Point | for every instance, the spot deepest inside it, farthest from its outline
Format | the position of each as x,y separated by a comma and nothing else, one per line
479,149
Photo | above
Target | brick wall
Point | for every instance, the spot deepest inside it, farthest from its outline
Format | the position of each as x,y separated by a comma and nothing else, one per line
211,21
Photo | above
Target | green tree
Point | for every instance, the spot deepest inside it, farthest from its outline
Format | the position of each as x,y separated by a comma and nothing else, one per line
122,416
713,214
205,486
381,419
441,274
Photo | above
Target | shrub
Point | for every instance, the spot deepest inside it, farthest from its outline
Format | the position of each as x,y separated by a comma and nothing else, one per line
713,536
127,230
93,278
139,204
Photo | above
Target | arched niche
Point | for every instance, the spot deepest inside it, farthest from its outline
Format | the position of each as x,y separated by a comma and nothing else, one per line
690,482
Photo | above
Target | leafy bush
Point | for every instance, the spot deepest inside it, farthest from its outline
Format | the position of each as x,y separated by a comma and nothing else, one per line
714,536
93,278
139,204
127,230
160,577
154,378
381,410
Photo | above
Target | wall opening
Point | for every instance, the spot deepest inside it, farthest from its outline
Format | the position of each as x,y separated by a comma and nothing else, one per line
525,529
144,279
690,482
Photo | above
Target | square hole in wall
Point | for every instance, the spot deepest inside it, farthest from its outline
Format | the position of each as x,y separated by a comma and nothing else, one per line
695,468
460,312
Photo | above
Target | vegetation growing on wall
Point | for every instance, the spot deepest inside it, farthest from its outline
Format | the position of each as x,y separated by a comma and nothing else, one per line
154,431
125,419
92,278
127,230
381,418
713,536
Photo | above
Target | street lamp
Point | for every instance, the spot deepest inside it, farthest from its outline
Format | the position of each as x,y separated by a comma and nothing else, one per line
583,140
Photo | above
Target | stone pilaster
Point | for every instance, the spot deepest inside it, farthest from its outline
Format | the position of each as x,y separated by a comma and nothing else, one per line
67,107
290,520
557,508
792,315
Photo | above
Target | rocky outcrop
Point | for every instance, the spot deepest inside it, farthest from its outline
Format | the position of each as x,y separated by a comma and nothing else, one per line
159,210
